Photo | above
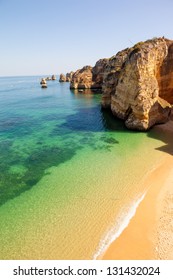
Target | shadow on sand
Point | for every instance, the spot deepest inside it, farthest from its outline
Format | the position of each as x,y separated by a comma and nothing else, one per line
164,132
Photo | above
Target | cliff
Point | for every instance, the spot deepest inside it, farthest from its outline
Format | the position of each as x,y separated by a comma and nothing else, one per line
136,83
69,76
89,77
142,90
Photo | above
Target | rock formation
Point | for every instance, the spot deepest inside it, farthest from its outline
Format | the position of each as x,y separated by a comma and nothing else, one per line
69,76
136,83
82,78
53,77
140,89
48,79
89,77
111,76
43,83
62,78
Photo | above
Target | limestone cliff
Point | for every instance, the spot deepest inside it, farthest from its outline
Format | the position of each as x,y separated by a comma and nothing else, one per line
111,76
138,87
136,83
165,75
89,77
82,78
69,76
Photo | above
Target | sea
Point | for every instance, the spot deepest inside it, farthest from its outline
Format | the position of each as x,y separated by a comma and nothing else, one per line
71,174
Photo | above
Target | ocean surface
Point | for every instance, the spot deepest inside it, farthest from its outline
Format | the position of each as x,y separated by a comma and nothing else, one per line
71,174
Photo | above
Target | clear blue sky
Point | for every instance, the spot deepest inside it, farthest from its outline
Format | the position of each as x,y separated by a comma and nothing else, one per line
52,36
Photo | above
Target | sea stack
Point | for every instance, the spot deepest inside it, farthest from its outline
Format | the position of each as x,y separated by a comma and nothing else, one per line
62,78
53,77
43,83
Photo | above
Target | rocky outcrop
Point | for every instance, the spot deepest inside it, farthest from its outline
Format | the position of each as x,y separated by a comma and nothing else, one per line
43,83
89,77
62,78
82,78
53,77
111,76
138,84
48,79
69,76
98,73
165,75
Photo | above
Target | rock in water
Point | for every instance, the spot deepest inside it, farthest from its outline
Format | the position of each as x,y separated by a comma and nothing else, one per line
136,83
62,78
89,77
43,81
69,76
44,85
82,78
53,77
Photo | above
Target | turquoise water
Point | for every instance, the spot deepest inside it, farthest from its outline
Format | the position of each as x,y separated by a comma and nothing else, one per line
66,170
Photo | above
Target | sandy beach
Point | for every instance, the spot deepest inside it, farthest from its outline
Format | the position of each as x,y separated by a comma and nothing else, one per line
149,234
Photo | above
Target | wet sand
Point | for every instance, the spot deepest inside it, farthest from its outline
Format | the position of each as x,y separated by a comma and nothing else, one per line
149,234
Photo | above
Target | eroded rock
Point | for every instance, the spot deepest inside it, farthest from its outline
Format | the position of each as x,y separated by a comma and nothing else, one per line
137,91
69,76
53,77
62,78
89,77
136,83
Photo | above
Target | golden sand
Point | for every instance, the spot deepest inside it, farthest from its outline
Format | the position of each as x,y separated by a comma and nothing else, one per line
149,234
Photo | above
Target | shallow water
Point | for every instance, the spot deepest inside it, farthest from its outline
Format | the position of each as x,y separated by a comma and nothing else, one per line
69,171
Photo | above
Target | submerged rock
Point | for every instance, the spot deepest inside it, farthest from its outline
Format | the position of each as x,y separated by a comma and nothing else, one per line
48,79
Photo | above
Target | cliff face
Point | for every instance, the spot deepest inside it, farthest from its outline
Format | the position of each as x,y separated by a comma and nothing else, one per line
165,75
136,83
98,72
89,77
138,91
69,76
82,78
111,76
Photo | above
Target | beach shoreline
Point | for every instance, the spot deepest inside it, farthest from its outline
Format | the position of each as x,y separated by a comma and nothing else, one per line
148,235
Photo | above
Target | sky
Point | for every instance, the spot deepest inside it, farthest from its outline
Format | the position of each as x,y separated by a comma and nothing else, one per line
44,37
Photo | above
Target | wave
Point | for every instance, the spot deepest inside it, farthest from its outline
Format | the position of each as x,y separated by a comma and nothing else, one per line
120,224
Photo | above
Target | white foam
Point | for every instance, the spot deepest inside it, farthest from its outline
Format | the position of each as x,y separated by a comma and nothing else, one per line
120,224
